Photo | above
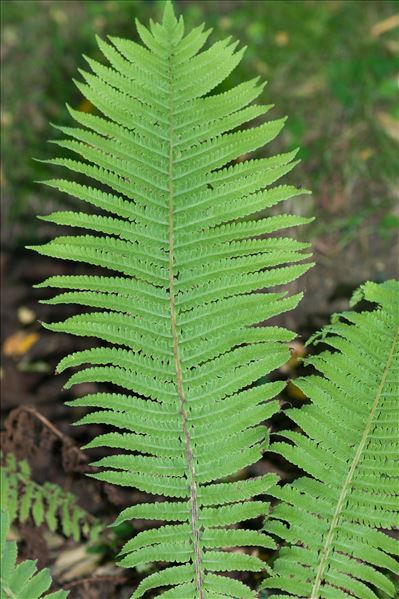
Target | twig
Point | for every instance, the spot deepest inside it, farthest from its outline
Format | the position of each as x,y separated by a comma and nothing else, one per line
44,421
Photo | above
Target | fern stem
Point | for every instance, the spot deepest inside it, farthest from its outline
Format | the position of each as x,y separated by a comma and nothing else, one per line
342,497
178,366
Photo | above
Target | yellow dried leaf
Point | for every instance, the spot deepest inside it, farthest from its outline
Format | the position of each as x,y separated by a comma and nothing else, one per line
19,343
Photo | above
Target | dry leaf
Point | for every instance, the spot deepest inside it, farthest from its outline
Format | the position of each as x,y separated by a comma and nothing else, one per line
385,25
75,563
19,343
389,124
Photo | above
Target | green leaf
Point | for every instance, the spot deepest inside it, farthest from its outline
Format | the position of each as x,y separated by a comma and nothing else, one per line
184,225
22,580
349,447
44,503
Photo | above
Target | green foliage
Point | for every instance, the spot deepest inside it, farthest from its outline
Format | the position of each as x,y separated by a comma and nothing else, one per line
184,237
21,581
47,503
331,520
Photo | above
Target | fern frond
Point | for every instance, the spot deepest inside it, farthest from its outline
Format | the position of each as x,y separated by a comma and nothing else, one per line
349,448
182,229
21,581
47,503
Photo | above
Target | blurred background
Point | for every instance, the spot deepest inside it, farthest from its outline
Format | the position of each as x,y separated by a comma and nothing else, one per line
331,66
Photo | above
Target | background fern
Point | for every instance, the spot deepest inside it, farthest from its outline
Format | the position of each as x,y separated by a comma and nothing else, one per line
188,248
331,521
21,581
48,503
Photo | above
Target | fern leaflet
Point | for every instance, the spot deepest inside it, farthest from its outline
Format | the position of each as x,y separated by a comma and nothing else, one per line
350,449
21,581
183,236
48,503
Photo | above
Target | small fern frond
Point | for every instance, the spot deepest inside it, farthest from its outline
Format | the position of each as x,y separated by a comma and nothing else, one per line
184,231
349,448
47,503
21,581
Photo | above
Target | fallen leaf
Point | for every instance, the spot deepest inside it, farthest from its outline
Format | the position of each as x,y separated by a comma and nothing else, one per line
19,343
389,124
385,25
75,563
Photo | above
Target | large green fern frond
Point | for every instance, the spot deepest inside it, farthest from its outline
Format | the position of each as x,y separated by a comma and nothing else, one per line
21,581
186,238
350,448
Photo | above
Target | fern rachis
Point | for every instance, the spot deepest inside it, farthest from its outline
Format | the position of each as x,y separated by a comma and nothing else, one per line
185,241
350,450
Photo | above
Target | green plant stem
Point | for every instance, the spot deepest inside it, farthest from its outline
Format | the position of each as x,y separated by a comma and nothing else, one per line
176,352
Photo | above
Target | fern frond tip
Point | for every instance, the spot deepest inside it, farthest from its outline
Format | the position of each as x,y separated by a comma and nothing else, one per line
169,16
